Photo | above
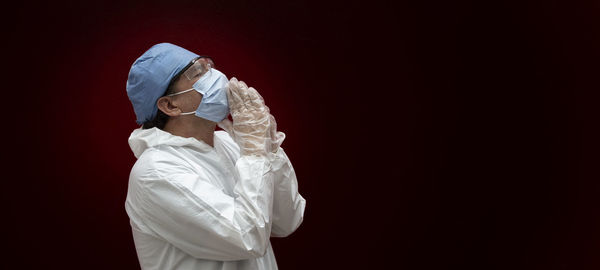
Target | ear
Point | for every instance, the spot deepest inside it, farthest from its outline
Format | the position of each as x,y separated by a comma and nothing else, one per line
166,105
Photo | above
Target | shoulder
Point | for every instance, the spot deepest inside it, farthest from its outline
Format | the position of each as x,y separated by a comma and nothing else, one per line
158,163
224,136
227,142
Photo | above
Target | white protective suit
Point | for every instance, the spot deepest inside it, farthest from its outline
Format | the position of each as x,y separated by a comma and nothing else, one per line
192,206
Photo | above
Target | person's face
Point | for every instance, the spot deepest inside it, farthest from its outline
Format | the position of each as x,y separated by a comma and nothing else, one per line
189,101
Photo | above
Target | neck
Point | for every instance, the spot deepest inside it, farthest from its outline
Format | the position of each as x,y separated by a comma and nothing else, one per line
192,127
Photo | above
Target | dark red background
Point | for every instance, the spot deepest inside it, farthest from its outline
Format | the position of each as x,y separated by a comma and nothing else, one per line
448,135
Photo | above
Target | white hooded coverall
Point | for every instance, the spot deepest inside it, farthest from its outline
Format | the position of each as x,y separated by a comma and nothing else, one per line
192,206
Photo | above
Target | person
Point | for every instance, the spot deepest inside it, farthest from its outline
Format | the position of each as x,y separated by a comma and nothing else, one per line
201,198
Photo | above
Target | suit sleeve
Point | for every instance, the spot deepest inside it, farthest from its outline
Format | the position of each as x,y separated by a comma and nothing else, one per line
288,204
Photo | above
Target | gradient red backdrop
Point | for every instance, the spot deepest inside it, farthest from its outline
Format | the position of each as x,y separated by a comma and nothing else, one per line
450,135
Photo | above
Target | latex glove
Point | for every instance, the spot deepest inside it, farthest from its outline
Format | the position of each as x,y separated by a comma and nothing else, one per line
275,138
251,119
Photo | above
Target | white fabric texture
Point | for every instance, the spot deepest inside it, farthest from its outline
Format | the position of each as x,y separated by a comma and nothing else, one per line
192,206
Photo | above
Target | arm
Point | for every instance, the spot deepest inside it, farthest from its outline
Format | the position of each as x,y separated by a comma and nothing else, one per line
202,220
264,139
288,204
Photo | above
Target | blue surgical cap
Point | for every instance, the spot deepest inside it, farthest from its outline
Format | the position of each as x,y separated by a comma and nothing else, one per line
150,75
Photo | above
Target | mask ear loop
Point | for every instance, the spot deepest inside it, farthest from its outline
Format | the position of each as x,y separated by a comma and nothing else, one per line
179,93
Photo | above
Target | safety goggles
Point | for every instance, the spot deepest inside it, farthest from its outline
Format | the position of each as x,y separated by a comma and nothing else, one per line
198,68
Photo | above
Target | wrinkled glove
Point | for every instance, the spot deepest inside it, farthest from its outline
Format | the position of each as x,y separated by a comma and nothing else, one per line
250,125
253,128
275,138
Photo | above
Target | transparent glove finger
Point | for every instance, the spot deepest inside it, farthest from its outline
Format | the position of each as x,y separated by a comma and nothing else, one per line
275,137
243,85
259,96
256,102
244,94
272,126
236,101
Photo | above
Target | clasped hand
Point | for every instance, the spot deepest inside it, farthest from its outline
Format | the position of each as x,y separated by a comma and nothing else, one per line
253,128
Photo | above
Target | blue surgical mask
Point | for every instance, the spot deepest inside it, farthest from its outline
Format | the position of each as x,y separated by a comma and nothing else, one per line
213,88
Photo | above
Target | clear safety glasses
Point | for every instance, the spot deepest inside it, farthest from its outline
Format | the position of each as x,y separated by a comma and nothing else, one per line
199,67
